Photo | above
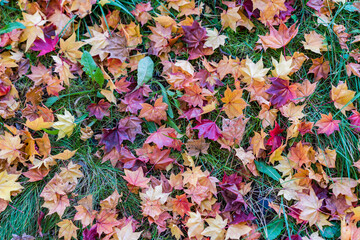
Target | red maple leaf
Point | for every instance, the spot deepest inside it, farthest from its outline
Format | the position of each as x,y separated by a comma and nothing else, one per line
327,124
275,139
161,137
160,158
127,129
355,120
4,89
181,205
195,37
44,47
208,129
281,91
99,110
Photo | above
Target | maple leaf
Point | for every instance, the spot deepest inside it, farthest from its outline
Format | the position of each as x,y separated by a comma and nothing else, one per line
71,172
154,113
309,204
230,17
326,158
327,124
33,28
85,212
195,225
160,158
214,39
195,37
216,228
282,68
236,231
195,147
281,91
38,124
343,37
136,179
314,42
99,110
70,48
258,142
117,47
127,129
193,96
44,46
67,229
98,42
127,233
278,38
65,125
253,71
234,104
355,120
275,140
106,221
10,147
181,205
315,4
90,234
342,97
57,205
320,69
208,129
8,185
267,115
161,137
353,68
301,154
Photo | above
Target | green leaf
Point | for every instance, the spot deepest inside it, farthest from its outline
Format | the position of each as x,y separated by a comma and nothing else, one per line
11,26
331,232
51,100
99,76
145,71
51,132
150,126
171,123
274,229
268,170
89,64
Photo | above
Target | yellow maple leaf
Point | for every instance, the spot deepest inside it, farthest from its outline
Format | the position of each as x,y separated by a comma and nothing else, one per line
230,17
342,96
70,48
195,225
216,228
253,71
282,68
214,39
8,185
67,229
38,124
71,173
235,231
33,28
126,233
10,147
234,104
65,125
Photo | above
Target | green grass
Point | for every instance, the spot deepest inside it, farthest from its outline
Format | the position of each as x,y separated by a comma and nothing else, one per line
101,179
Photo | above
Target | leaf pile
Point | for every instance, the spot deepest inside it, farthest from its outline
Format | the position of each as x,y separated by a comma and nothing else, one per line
163,94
